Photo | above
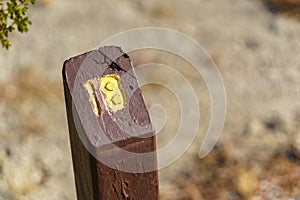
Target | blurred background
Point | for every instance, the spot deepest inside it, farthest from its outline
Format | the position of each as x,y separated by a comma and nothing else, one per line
256,46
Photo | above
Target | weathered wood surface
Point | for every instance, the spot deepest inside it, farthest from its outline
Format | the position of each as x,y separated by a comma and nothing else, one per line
94,179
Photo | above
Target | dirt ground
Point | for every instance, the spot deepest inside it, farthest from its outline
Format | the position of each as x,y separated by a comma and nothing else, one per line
256,46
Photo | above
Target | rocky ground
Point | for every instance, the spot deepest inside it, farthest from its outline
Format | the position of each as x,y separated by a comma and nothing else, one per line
256,46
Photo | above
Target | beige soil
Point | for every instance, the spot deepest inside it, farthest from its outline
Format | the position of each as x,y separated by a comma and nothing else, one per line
257,52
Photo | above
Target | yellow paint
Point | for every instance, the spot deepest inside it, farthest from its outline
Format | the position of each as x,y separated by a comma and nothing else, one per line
112,88
91,91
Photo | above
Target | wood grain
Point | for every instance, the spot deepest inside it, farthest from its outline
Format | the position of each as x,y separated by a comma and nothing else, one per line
95,180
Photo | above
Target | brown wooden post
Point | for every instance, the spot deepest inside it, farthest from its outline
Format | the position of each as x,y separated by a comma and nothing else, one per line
107,113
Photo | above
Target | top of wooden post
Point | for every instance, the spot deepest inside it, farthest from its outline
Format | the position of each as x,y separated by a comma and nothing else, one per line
106,96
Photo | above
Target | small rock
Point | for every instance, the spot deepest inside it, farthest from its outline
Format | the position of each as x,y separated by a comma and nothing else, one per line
252,44
247,182
292,154
273,123
8,152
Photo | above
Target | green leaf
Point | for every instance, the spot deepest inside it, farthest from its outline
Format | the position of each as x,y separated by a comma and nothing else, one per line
13,15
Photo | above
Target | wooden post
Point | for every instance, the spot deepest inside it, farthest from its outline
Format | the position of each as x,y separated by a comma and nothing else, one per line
112,140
